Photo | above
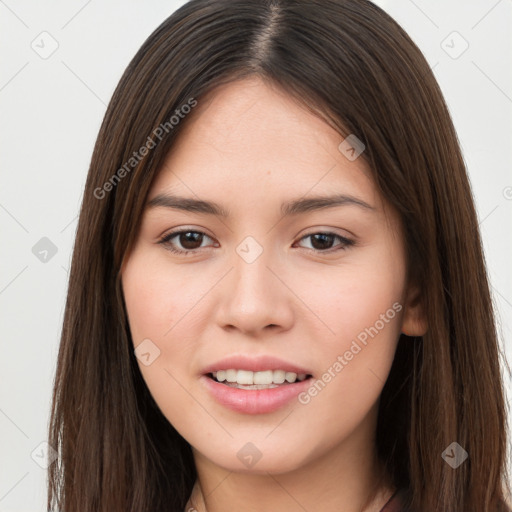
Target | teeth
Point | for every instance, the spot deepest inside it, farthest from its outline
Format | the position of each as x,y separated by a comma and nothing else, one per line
290,377
248,378
265,377
279,376
231,375
245,377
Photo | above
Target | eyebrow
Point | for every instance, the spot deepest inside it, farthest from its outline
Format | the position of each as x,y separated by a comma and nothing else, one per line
295,207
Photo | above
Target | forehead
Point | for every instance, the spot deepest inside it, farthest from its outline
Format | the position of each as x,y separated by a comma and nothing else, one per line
251,139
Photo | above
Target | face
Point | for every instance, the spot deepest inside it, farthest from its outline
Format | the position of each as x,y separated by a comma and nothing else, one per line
265,284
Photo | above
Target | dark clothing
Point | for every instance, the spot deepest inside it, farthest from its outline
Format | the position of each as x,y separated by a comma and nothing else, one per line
396,502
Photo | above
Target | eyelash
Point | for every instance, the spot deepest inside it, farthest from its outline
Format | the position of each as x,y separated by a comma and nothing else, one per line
345,242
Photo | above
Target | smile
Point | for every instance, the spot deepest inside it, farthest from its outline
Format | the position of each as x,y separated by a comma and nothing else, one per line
255,384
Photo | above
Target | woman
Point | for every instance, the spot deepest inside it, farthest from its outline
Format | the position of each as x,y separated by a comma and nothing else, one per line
278,298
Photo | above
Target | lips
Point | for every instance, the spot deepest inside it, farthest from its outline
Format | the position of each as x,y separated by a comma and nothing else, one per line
254,385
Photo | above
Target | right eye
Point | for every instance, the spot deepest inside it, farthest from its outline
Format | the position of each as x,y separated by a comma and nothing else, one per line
188,238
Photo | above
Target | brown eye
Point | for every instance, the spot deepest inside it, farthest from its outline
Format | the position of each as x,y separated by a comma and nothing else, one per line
323,242
189,241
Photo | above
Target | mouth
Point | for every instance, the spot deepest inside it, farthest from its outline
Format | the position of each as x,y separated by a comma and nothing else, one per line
249,380
255,384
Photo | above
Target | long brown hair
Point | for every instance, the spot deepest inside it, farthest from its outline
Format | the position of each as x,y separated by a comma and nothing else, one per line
349,62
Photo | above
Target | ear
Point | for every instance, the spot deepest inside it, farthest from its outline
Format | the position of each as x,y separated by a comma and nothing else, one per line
414,321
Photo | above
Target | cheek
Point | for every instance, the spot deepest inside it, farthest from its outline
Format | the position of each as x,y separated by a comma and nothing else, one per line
164,307
159,306
353,297
156,299
360,307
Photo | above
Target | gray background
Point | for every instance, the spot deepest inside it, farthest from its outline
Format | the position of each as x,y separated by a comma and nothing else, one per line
51,106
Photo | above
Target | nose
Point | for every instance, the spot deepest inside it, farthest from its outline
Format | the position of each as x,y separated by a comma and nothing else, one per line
253,297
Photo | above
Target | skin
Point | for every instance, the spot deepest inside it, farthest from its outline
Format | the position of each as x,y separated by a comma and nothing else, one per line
249,147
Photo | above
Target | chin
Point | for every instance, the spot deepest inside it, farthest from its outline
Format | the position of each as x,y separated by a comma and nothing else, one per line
257,459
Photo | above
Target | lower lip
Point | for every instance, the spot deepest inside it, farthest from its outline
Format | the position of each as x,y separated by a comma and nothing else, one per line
254,401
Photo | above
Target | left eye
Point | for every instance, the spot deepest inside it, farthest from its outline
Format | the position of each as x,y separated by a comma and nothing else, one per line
321,240
192,240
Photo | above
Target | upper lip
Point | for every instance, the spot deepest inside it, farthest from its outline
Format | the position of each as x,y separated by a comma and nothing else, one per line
255,364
